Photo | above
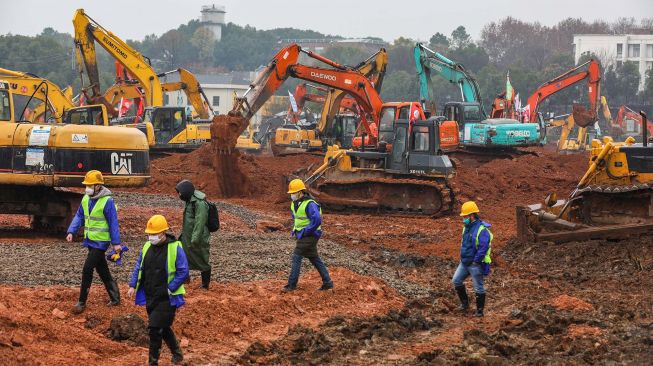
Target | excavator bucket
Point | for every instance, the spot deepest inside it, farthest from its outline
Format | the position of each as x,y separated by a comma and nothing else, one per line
583,117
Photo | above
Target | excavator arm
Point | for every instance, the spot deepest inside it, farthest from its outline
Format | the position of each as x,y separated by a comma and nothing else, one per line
30,85
582,117
426,61
87,32
284,65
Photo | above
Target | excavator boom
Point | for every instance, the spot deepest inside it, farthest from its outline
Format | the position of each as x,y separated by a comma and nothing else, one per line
87,32
427,61
582,117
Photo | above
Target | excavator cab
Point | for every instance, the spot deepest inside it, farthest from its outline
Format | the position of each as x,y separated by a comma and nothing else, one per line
86,115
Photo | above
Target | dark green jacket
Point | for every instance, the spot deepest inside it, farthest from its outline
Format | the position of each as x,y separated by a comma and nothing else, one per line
195,236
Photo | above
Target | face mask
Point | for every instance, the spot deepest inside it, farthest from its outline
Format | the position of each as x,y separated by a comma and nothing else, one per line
90,190
154,239
467,221
294,196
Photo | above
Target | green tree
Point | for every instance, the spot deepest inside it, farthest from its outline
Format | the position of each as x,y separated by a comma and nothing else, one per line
400,86
460,38
647,93
439,40
345,55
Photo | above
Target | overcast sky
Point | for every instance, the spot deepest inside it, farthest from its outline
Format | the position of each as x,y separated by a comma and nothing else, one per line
387,19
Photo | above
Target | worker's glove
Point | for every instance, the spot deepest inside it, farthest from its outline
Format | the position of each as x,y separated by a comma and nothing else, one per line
299,234
116,256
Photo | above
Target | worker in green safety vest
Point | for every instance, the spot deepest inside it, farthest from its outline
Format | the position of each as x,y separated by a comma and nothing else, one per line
98,215
158,282
475,251
307,229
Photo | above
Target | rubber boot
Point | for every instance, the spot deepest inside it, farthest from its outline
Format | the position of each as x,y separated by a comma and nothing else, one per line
206,279
81,304
155,346
175,349
114,293
480,305
464,300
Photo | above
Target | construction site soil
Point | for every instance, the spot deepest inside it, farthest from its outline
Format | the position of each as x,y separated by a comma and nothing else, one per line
393,302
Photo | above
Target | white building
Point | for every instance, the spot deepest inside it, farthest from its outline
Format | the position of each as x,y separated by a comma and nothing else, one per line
219,90
616,49
212,18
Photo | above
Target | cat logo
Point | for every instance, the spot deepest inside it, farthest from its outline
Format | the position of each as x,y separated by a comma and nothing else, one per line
121,163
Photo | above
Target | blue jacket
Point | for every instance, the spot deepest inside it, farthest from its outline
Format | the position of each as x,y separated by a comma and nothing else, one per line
111,215
180,276
468,251
313,214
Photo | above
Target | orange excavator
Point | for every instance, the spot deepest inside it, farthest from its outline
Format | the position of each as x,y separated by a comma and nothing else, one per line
629,123
412,178
583,117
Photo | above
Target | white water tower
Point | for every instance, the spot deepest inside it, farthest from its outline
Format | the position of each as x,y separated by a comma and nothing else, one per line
213,19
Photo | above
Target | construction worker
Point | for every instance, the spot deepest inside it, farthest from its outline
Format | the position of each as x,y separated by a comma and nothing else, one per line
307,229
158,282
475,250
195,234
100,219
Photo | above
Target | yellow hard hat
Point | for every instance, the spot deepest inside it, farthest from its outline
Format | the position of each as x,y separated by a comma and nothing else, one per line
156,224
469,208
296,185
93,177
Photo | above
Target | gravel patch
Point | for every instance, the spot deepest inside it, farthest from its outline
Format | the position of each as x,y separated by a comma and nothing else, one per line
235,258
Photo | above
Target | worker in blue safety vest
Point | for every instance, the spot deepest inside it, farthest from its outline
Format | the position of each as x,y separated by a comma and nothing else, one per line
307,229
99,216
158,283
475,250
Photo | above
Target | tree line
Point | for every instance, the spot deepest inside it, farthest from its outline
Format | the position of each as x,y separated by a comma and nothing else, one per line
531,52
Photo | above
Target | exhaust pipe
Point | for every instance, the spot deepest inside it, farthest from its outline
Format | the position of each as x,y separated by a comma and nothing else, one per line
644,128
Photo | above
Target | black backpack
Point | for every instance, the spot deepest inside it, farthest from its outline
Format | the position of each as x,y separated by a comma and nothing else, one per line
213,222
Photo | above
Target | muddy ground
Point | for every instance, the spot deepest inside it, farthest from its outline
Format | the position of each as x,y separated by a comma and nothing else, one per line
578,303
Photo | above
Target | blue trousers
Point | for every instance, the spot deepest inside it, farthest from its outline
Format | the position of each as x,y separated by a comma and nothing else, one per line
315,261
475,271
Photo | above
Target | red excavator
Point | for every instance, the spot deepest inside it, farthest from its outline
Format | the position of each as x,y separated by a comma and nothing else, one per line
410,178
582,117
629,123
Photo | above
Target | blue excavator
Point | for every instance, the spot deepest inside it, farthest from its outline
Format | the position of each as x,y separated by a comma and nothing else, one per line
477,131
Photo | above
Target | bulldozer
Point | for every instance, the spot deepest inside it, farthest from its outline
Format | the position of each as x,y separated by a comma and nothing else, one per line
613,199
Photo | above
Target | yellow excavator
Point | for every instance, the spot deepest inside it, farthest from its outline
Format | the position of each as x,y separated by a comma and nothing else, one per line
333,127
40,90
37,162
567,144
173,128
613,199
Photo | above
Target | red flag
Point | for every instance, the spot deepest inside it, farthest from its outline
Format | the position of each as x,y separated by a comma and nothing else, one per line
125,104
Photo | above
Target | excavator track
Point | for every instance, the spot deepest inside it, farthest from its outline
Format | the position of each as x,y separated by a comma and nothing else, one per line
401,196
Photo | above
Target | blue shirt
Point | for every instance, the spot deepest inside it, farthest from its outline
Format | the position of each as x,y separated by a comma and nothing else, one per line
110,214
468,251
313,214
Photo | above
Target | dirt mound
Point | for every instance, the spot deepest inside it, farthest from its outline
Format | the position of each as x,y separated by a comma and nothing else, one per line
211,325
129,327
566,302
543,335
264,173
337,337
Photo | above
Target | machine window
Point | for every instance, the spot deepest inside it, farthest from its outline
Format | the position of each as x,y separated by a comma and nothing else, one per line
472,113
387,119
404,113
178,121
5,111
420,139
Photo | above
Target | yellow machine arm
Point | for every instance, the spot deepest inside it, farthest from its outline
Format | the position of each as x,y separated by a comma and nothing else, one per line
188,84
25,84
87,31
374,68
